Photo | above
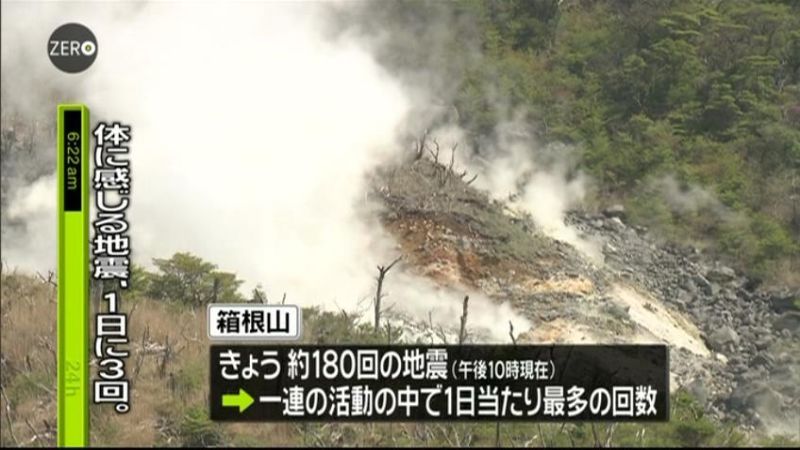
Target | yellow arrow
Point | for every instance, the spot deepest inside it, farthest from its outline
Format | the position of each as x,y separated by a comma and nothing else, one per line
243,400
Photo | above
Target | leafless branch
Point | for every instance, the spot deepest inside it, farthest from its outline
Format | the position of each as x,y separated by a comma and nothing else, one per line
191,339
382,270
166,357
452,158
435,155
610,434
420,146
45,342
49,279
33,430
497,428
541,435
140,359
133,310
596,438
8,416
462,335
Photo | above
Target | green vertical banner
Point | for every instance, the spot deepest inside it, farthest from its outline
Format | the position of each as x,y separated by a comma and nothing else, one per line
73,275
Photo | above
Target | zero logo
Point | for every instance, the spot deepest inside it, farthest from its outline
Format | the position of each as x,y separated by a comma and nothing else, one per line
72,48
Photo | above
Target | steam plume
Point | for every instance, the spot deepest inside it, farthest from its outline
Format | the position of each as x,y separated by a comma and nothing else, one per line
252,135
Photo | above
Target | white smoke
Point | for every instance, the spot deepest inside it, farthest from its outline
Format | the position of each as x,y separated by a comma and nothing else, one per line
33,244
537,179
252,133
693,198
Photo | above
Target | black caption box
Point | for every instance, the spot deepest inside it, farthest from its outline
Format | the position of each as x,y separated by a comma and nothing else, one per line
259,387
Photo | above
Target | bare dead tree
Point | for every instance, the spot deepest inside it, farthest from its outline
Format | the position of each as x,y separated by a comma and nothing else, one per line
610,434
597,442
46,437
419,149
344,315
187,337
430,326
36,436
446,172
435,155
452,437
452,158
441,172
497,428
166,358
462,334
571,439
259,296
133,310
45,342
32,141
215,290
463,174
49,279
98,292
434,331
140,359
9,416
382,271
541,434
172,383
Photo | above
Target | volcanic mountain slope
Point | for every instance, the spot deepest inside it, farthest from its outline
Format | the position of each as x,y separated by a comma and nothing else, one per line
734,348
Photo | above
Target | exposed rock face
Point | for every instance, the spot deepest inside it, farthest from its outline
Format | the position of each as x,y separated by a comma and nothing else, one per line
705,286
755,332
721,274
722,338
728,340
615,211
789,321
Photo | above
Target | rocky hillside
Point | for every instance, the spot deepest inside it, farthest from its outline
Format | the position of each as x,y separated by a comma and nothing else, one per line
726,352
734,346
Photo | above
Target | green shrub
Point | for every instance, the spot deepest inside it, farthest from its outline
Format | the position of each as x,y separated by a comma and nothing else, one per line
187,278
197,430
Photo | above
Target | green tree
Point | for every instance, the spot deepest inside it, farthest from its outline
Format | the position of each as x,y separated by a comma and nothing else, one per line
707,91
186,277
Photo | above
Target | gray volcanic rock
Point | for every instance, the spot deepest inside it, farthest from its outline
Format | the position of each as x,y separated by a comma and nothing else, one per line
615,211
719,339
790,320
721,274
757,330
567,294
705,286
